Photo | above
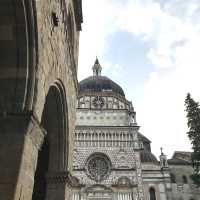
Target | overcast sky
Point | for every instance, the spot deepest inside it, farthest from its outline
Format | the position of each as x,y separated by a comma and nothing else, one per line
151,48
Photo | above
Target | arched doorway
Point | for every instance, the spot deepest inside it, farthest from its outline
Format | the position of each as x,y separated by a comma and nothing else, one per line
39,190
52,158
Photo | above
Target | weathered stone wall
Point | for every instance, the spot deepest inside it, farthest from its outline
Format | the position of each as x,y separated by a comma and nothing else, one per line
155,179
158,179
181,190
55,62
20,140
56,34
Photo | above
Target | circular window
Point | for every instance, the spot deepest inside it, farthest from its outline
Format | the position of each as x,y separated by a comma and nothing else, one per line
98,102
98,167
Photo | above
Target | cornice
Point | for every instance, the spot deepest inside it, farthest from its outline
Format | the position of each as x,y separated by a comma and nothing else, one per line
128,128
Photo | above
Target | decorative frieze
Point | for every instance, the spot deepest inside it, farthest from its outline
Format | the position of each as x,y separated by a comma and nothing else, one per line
97,138
107,102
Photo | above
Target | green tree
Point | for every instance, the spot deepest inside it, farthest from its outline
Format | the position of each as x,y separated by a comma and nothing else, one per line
193,122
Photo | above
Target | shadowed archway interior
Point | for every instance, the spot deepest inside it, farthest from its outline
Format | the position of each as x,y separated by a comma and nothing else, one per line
52,157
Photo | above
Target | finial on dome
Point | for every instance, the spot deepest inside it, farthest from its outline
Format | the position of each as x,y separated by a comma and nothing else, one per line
161,149
96,68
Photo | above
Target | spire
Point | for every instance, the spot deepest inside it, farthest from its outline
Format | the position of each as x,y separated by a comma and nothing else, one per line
96,68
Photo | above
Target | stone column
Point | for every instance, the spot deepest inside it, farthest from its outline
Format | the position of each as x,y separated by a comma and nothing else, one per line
139,176
20,139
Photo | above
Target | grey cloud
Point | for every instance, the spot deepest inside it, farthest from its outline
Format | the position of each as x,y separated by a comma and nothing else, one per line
179,43
183,9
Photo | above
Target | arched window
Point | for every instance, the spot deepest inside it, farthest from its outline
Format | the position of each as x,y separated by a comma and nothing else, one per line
172,178
185,181
152,194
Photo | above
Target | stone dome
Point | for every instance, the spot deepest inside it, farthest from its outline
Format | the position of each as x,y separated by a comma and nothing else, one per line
147,157
100,84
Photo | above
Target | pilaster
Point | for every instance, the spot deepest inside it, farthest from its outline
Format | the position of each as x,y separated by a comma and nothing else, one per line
20,139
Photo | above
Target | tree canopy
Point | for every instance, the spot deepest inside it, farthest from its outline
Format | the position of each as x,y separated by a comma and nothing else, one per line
193,122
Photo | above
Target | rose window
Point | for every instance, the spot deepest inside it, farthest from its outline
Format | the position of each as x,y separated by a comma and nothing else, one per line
98,167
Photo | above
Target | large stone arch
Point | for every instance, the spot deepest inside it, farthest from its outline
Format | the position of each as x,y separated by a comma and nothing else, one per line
18,55
52,158
56,111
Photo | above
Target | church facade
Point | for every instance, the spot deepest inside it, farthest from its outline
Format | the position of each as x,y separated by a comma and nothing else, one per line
38,76
112,159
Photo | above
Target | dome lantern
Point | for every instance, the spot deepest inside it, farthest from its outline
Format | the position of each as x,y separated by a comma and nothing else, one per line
96,68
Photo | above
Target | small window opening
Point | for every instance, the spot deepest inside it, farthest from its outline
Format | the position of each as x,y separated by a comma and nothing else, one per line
55,19
152,194
185,181
172,178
